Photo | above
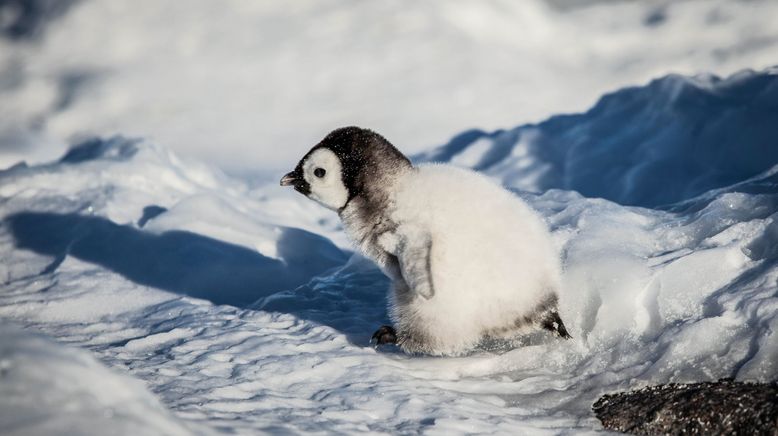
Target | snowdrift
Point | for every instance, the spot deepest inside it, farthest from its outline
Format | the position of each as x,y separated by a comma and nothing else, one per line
653,145
52,389
243,309
177,250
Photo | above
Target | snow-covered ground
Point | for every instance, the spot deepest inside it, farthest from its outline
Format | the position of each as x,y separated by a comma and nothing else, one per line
49,389
242,308
246,84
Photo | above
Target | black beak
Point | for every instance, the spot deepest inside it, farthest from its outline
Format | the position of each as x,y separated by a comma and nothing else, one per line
296,179
289,179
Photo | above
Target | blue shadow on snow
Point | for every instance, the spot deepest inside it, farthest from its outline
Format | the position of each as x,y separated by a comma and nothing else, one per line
314,282
177,261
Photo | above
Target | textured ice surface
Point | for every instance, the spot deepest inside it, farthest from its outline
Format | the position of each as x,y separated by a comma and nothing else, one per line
243,310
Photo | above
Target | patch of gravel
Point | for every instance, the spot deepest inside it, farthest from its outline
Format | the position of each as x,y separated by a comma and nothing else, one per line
722,407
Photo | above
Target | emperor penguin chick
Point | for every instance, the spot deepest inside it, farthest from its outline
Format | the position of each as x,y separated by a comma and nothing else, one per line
468,259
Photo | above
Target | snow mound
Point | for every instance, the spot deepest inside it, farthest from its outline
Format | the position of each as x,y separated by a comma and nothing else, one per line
134,209
658,144
51,389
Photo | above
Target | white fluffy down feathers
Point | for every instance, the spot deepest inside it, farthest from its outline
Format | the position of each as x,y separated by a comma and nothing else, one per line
468,259
492,262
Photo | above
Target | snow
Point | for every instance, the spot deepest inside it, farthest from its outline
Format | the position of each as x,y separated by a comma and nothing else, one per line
145,291
242,309
43,393
246,84
649,146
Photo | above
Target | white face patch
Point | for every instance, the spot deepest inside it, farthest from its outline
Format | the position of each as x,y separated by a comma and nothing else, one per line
322,171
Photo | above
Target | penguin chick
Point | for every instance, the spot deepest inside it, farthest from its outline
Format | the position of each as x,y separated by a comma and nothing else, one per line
468,260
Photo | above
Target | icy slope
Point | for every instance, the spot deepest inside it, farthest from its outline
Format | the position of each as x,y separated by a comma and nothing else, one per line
123,249
658,144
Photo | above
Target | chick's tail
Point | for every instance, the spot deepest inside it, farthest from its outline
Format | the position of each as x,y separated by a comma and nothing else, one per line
551,321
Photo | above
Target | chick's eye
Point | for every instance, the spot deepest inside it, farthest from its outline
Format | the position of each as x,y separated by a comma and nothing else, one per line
319,172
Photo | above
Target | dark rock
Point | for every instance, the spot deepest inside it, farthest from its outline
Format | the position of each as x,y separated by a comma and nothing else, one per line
722,407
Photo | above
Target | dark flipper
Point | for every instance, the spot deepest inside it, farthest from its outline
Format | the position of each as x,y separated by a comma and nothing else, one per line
384,335
552,321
